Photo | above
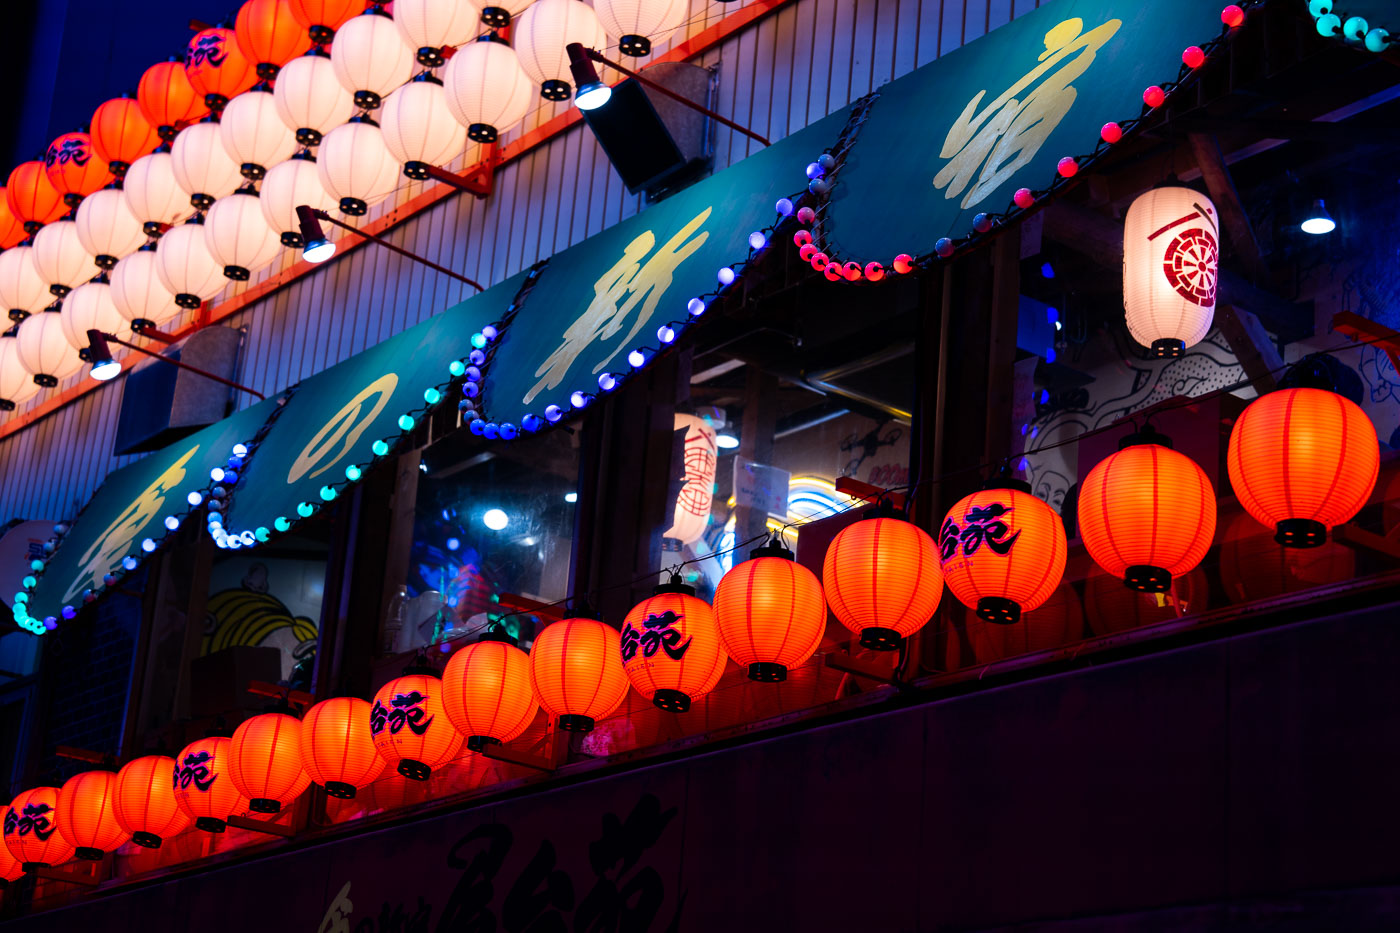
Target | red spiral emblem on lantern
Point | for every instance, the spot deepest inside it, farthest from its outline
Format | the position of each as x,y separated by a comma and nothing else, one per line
1190,265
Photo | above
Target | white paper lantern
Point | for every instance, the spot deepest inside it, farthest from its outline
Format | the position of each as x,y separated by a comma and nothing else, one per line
253,133
309,97
22,291
238,235
17,386
428,25
356,167
203,170
498,13
287,185
107,228
153,194
139,294
1171,257
60,259
186,267
487,90
370,58
418,127
692,513
90,307
44,350
637,24
544,31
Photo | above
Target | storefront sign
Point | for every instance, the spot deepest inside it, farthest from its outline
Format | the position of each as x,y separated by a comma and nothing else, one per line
759,486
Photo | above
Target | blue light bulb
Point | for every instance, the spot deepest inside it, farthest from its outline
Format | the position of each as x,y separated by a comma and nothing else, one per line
636,359
171,523
509,432
148,545
552,413
665,333
194,499
607,382
784,207
696,307
758,239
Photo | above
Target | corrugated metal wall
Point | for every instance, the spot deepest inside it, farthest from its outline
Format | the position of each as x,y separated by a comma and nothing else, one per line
778,75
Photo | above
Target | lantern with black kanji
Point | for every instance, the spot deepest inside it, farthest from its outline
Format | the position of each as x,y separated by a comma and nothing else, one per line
882,579
487,692
203,788
337,749
671,649
31,829
74,169
576,670
217,67
87,813
146,806
771,612
167,99
121,134
409,724
11,868
265,761
32,197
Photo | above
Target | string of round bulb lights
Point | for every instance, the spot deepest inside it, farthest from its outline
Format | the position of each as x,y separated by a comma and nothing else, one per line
1354,30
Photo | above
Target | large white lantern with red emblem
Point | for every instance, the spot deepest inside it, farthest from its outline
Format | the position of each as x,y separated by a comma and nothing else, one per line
418,127
107,228
370,57
1171,256
544,31
309,97
693,504
356,166
487,90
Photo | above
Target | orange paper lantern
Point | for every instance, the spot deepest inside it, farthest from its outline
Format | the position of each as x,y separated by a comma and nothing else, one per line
576,670
882,580
11,227
771,613
146,805
321,18
167,99
269,35
32,197
217,67
487,693
203,788
31,829
337,749
73,168
121,134
265,761
1302,460
1147,513
11,868
409,725
671,649
87,813
1003,550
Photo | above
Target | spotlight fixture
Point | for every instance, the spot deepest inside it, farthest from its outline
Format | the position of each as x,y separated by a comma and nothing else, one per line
99,354
316,247
726,441
1318,220
592,93
103,366
309,218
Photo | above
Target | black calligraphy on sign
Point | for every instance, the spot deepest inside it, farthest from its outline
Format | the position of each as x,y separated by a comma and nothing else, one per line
195,769
34,818
404,710
982,525
208,48
72,150
659,634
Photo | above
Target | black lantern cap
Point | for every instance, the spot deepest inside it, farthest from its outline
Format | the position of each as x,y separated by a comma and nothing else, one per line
1148,435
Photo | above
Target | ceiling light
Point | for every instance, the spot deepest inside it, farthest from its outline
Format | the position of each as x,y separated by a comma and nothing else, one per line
726,441
1318,220
495,519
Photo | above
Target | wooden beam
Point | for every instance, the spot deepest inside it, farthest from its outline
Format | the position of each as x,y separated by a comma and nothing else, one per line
1252,346
1233,217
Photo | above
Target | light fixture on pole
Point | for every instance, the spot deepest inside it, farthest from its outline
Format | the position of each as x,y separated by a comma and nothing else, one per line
1318,220
99,353
315,239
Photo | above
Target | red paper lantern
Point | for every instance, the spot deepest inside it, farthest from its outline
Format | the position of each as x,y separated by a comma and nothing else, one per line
31,829
1003,550
671,649
204,790
322,18
265,761
882,580
121,134
146,805
269,35
1302,460
217,68
487,693
87,813
771,613
337,749
1147,513
32,197
576,670
11,868
167,99
409,724
74,169
11,227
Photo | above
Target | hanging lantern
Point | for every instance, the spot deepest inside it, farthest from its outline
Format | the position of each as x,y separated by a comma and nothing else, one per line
544,31
138,292
882,579
253,133
290,184
1147,513
1003,550
44,350
22,291
418,128
269,35
204,791
487,90
11,228
89,307
1302,458
218,70
107,229
771,613
121,134
1171,258
154,195
370,58
32,197
356,167
639,23
186,267
202,167
238,236
498,14
72,169
31,829
16,384
430,25
146,806
60,259
670,647
168,100
692,514
487,693
87,815
265,761
11,868
576,670
321,18
337,749
309,97
408,723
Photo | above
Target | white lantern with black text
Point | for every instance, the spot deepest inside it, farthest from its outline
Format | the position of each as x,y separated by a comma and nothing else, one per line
544,31
427,26
90,307
238,235
60,259
139,294
107,228
356,167
309,97
186,267
418,128
17,386
1171,256
153,194
370,57
288,185
44,350
692,515
22,291
203,170
253,133
487,90
637,24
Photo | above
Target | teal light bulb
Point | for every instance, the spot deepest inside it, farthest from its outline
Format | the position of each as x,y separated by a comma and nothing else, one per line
305,509
352,473
281,523
405,422
432,396
327,493
262,534
457,368
380,448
